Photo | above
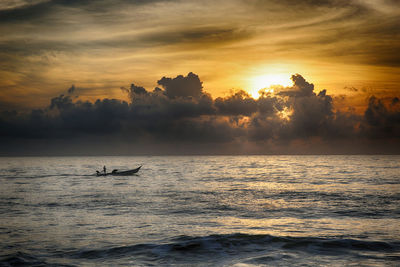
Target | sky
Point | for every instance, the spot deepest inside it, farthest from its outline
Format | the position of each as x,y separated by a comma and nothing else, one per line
184,77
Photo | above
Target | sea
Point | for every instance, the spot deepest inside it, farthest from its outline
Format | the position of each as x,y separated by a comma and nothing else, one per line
201,211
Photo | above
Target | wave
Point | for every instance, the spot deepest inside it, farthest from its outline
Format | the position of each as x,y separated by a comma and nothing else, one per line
25,259
235,244
224,250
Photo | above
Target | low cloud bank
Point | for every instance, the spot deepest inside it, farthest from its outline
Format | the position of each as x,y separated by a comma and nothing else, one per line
179,117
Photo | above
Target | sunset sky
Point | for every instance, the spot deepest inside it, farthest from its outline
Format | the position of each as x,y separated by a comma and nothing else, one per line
77,52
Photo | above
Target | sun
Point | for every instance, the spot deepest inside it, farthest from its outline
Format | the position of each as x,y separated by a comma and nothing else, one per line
267,81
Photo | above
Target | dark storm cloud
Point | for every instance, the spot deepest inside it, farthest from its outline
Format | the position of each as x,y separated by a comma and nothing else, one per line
66,119
239,103
181,86
135,90
181,98
395,101
71,90
300,88
311,114
298,112
181,113
379,121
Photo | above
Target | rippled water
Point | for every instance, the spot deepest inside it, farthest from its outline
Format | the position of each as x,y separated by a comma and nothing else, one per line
201,211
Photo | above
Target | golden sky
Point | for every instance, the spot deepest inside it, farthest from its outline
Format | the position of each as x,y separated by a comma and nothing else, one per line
351,48
179,77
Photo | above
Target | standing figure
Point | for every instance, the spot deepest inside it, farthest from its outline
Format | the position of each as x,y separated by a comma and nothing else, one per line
104,169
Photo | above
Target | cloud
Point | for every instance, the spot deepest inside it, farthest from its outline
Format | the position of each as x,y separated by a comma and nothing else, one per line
351,89
46,45
136,90
300,88
181,86
190,36
379,121
182,114
25,10
311,113
395,101
71,90
240,103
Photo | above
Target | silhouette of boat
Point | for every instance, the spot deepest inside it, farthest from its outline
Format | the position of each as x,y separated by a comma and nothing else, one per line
119,173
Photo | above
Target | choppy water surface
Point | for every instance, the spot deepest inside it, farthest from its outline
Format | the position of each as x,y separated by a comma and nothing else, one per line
201,211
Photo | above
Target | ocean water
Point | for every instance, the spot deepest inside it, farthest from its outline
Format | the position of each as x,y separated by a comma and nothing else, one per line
201,211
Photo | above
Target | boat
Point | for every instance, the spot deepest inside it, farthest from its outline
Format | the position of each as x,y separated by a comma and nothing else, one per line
119,173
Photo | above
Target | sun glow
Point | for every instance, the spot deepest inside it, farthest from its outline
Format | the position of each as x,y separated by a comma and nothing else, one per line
285,114
267,82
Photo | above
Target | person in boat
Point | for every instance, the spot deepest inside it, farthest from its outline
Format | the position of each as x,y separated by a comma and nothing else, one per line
98,173
104,169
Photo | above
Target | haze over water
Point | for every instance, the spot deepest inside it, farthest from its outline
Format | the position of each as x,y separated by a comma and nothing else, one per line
201,211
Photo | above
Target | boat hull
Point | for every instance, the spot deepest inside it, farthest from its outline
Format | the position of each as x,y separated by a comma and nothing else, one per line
121,173
124,173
